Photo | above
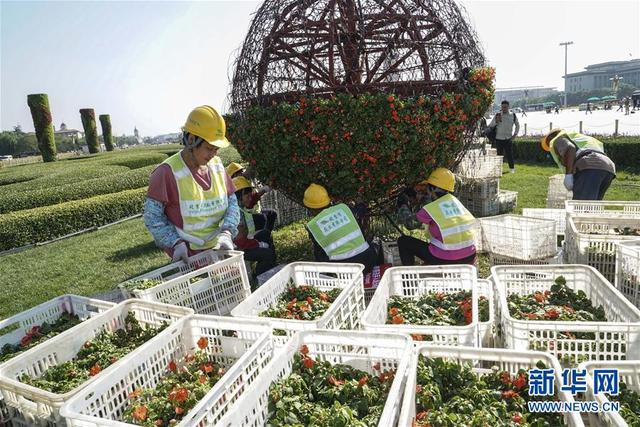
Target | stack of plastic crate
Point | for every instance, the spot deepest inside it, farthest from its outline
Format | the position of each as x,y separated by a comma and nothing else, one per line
288,210
478,189
628,270
595,228
557,194
515,239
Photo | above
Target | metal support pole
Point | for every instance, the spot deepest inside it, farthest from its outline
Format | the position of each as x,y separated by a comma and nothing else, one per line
525,130
580,126
615,133
565,44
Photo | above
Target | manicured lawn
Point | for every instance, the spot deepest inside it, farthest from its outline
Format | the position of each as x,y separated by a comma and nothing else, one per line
95,262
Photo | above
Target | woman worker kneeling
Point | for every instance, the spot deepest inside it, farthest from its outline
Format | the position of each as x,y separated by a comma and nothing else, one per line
449,225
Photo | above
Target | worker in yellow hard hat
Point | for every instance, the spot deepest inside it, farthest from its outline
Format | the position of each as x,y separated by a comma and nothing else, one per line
588,172
235,169
191,205
334,231
253,237
448,222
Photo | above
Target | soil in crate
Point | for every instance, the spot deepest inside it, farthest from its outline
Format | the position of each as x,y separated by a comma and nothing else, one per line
321,394
94,356
451,394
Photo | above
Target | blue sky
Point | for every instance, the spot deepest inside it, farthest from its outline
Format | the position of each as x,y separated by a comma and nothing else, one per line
148,63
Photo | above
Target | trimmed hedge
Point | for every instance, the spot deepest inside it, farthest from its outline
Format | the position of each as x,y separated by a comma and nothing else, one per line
46,223
128,180
56,178
624,151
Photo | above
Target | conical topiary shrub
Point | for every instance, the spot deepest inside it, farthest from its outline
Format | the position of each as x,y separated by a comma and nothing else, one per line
88,117
105,122
41,114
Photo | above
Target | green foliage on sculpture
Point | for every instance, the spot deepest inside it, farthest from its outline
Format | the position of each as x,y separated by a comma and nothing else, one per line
361,148
88,117
105,122
41,114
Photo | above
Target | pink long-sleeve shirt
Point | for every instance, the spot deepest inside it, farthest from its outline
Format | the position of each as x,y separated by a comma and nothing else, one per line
424,217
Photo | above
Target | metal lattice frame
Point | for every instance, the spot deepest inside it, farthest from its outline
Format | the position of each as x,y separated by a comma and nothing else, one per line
321,47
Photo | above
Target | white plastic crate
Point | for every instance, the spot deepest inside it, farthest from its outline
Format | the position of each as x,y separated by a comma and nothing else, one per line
628,371
628,270
214,289
40,406
507,201
478,188
486,329
412,283
616,339
506,360
391,253
557,194
288,211
477,165
558,215
343,313
603,208
362,350
520,237
15,327
505,260
591,240
242,347
481,207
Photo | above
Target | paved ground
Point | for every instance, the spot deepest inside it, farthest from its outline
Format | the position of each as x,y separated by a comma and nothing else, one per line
600,122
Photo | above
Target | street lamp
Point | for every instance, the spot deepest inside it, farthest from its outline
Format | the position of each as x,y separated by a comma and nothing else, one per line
565,44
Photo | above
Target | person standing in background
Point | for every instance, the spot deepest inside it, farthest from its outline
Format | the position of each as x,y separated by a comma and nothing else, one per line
507,128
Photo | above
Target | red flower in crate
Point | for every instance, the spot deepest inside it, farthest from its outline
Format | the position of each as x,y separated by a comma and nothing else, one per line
308,363
172,366
363,381
140,413
517,418
179,410
203,342
95,370
179,394
304,349
25,341
520,382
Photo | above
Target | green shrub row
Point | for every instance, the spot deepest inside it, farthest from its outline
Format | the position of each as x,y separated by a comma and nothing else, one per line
625,151
46,223
136,178
65,176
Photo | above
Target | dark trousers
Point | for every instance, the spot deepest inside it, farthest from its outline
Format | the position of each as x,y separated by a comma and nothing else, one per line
265,219
591,184
410,247
265,258
505,148
368,258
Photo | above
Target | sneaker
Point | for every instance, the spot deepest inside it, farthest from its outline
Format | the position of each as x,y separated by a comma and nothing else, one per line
512,170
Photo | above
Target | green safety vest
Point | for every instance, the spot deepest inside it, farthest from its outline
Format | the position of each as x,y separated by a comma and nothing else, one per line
338,233
201,210
248,220
454,221
582,142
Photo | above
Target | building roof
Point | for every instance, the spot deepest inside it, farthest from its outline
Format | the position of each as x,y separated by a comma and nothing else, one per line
607,68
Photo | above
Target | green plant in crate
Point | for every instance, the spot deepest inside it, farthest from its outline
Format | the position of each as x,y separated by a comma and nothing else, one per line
629,404
435,308
302,303
185,383
140,284
317,393
449,394
94,356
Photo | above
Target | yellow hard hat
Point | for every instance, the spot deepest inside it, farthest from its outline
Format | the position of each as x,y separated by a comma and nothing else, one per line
316,197
234,167
205,122
240,182
544,142
442,178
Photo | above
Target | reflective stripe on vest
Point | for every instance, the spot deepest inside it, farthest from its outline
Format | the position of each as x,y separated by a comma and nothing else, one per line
338,233
201,210
248,220
454,221
583,143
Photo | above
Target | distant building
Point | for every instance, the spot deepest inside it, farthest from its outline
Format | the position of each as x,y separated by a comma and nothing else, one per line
597,76
65,132
513,94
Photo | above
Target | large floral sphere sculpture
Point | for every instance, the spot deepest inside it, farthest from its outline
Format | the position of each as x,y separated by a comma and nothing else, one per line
361,96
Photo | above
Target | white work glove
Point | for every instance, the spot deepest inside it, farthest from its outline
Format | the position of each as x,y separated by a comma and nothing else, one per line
224,241
568,181
263,245
180,253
